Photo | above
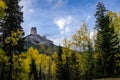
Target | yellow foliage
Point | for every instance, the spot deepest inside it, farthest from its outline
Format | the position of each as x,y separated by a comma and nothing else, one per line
53,68
54,56
26,64
83,62
118,60
42,60
32,77
33,53
45,64
15,36
2,4
115,17
2,8
3,57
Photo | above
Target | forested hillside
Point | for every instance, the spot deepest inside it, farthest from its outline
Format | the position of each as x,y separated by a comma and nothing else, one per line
82,57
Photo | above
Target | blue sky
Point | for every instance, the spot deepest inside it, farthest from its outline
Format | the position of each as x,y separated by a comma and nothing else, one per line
59,19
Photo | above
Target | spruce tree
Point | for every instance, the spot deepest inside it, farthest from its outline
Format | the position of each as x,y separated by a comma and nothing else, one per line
106,42
12,31
33,71
59,66
74,67
66,69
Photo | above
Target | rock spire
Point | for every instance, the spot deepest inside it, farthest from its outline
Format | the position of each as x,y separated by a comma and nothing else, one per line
33,30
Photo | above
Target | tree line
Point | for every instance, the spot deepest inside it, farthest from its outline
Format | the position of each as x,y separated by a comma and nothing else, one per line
82,58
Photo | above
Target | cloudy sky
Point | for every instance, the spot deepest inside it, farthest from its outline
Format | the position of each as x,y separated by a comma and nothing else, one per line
59,19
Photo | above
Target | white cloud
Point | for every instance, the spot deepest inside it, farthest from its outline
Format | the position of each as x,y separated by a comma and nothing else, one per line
88,18
61,22
67,29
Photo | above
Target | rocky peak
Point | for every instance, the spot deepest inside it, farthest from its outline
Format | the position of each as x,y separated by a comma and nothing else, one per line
33,30
37,39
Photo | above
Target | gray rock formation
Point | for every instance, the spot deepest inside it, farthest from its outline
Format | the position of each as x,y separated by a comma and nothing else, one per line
33,30
37,39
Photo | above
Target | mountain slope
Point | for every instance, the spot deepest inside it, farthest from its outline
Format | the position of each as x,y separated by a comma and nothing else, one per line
41,43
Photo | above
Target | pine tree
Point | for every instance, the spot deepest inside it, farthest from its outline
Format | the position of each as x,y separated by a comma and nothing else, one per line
33,71
115,17
75,71
59,66
12,31
106,43
66,69
99,15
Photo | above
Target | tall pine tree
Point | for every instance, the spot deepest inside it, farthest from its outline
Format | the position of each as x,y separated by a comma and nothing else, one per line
33,71
12,32
59,66
74,67
106,42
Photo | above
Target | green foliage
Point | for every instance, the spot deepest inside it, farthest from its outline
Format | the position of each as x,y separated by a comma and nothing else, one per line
12,32
115,19
74,67
106,43
59,65
4,65
117,67
11,38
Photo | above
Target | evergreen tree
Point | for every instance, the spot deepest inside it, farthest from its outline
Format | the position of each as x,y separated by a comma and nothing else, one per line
59,66
115,17
12,31
106,42
66,69
90,59
4,65
99,15
75,71
33,71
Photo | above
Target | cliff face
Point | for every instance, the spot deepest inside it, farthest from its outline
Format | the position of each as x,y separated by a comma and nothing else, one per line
36,39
